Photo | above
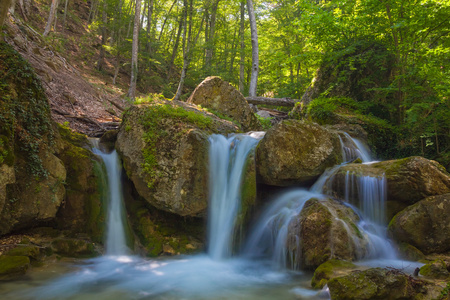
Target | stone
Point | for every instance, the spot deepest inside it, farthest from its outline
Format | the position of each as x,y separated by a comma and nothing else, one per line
164,146
424,225
330,269
12,267
436,270
409,180
74,248
296,152
324,230
220,96
377,283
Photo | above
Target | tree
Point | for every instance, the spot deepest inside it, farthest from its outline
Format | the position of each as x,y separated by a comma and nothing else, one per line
51,17
134,51
255,51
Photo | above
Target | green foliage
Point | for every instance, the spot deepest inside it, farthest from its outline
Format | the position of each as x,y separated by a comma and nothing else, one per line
25,112
265,122
154,130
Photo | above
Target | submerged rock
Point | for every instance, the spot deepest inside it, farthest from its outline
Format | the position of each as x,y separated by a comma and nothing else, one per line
220,96
425,225
409,180
324,230
295,152
377,283
164,146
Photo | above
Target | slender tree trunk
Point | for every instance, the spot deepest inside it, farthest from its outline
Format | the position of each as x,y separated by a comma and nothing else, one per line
255,52
22,10
65,15
149,25
175,48
242,51
165,20
101,57
189,45
134,51
51,17
233,51
211,36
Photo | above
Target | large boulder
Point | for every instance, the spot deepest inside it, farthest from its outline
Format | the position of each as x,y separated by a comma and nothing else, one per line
220,96
36,190
296,152
164,146
409,180
425,225
324,230
377,283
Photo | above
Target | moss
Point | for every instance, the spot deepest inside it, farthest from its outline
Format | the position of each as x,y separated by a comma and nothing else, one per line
25,120
74,248
410,252
75,138
96,205
13,266
328,270
32,252
152,121
436,269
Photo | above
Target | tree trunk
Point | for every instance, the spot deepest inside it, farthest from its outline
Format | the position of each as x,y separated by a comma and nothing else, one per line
149,25
189,45
175,48
65,15
255,52
134,51
233,51
242,53
272,101
101,57
4,7
211,36
165,20
51,17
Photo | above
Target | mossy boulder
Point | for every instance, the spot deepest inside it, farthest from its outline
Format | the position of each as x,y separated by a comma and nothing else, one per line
162,233
377,283
324,230
84,209
12,267
220,96
409,252
436,270
31,251
296,152
164,146
35,191
330,269
425,225
409,180
74,248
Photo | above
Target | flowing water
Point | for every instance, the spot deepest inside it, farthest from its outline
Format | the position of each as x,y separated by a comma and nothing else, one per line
258,272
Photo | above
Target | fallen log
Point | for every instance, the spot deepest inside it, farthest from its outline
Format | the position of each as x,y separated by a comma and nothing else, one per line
272,101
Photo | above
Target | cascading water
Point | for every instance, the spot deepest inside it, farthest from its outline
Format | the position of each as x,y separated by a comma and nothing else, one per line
227,159
353,148
115,236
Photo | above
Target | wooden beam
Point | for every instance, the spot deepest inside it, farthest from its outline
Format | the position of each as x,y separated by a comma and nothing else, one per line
272,101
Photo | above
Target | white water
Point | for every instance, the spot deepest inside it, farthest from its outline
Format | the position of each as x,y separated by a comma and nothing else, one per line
227,159
115,236
353,148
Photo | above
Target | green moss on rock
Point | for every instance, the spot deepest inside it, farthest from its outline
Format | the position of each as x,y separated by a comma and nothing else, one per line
12,267
74,248
328,270
436,269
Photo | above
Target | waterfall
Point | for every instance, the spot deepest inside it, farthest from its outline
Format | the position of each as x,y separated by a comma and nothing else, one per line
227,159
353,148
115,235
269,235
